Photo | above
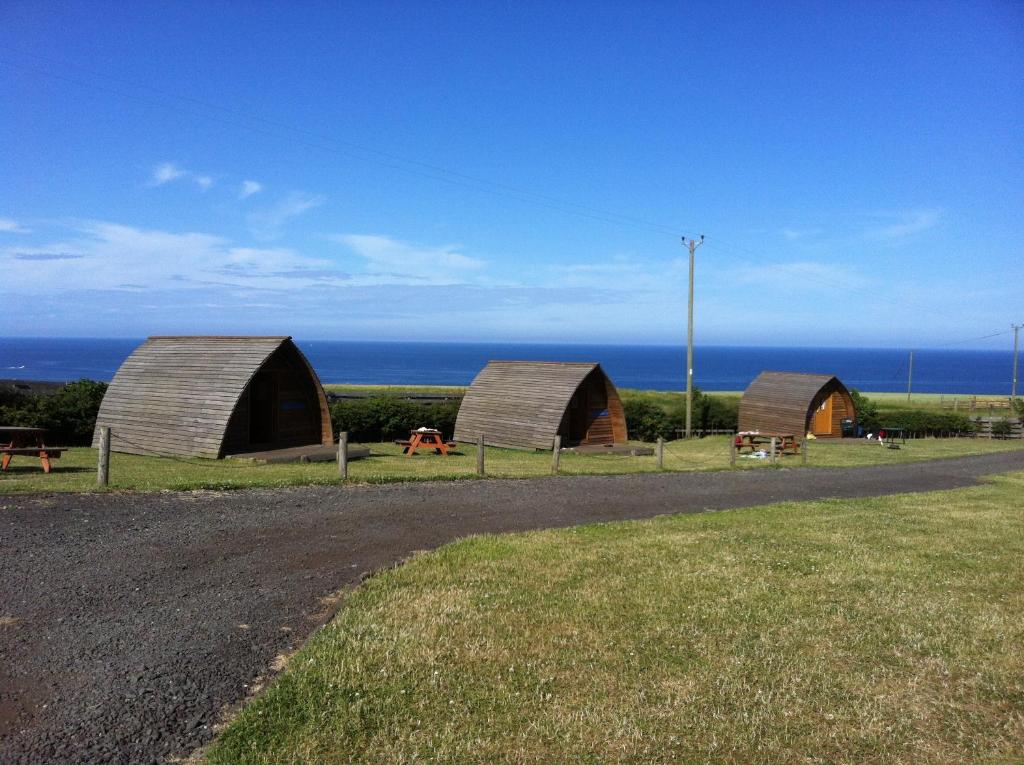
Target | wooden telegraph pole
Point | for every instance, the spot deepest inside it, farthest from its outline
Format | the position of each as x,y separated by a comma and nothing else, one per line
693,245
1013,386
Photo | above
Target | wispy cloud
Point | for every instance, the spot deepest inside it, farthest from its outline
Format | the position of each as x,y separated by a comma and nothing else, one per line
168,172
796,234
808,274
249,188
622,273
268,222
99,254
907,225
45,255
390,261
8,226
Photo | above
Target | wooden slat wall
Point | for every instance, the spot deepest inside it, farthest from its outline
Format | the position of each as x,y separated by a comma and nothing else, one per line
782,402
521,404
175,396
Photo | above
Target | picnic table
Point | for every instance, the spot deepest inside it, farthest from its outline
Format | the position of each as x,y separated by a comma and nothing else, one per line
28,442
425,438
785,443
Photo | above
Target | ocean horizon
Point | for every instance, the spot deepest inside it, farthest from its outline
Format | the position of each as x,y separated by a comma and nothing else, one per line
648,367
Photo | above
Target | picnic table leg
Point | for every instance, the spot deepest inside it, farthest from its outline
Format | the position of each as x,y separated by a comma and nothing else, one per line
5,462
45,459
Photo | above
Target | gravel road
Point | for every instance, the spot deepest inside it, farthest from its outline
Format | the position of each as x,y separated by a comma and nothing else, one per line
129,623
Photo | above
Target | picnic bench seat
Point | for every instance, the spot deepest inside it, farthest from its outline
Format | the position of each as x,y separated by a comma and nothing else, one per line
44,453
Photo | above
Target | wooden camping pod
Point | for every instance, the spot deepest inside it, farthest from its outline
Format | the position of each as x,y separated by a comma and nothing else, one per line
795,403
524,404
208,396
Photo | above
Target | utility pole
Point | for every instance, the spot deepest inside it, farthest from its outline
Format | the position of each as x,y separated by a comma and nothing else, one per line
1016,332
910,375
693,245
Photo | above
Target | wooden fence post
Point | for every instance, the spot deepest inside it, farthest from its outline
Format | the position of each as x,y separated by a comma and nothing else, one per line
556,454
661,453
103,468
773,450
732,450
803,450
343,455
480,454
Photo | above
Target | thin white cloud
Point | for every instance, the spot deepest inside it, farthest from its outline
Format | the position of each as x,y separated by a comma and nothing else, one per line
8,226
908,224
796,234
809,275
249,188
268,222
390,261
98,256
166,172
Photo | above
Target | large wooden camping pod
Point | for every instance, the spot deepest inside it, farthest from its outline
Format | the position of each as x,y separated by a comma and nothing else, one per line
525,404
794,403
211,396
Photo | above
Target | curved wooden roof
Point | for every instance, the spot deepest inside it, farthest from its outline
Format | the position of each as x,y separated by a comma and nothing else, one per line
521,403
174,395
781,402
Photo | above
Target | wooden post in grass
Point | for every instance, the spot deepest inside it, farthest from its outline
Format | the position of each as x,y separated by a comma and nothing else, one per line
732,450
480,454
556,453
343,455
773,450
103,468
803,450
661,453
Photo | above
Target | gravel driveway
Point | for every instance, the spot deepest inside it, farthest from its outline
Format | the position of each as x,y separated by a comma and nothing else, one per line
130,622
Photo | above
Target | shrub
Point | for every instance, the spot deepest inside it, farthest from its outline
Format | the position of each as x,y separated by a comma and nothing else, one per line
867,412
1002,429
646,421
382,418
69,414
918,423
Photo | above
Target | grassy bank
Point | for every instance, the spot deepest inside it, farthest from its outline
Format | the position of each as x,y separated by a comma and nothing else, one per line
884,630
76,470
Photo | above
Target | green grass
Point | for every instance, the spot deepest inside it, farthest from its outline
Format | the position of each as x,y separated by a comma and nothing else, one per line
884,630
76,470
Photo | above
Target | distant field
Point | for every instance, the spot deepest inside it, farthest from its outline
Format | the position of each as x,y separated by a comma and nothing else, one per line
76,470
883,630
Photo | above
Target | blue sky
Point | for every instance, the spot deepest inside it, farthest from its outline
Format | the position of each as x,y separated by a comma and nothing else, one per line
523,171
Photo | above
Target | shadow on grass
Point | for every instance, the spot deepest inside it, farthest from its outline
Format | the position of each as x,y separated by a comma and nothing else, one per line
22,470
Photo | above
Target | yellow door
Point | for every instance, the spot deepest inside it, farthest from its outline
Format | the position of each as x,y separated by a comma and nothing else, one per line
821,425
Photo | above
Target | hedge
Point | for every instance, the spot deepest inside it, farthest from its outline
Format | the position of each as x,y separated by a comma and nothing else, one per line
69,414
383,418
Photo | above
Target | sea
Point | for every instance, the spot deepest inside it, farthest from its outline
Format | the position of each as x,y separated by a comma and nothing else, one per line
648,367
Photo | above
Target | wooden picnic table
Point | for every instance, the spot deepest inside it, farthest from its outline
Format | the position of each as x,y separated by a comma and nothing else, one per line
425,438
785,443
28,442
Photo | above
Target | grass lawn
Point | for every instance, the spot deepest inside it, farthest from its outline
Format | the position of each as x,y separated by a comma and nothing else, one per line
885,630
76,470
